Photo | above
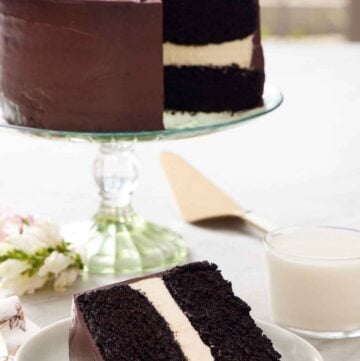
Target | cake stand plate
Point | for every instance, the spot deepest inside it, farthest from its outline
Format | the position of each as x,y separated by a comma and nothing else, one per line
51,344
119,241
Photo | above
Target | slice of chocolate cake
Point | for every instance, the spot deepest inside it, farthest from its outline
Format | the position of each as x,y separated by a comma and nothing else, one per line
188,313
212,55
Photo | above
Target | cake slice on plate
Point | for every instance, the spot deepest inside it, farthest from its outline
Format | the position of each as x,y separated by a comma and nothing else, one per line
188,313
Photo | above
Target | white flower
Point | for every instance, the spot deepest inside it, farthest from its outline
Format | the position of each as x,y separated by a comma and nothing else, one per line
46,232
23,284
55,264
26,243
5,248
34,252
12,269
66,279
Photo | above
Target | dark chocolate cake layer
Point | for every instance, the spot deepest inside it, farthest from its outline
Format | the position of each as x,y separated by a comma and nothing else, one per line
124,326
222,319
209,21
212,89
82,65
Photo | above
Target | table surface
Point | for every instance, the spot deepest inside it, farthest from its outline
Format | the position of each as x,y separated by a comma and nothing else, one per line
296,166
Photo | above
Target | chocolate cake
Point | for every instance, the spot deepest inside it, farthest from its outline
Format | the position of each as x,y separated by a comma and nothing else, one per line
115,65
188,313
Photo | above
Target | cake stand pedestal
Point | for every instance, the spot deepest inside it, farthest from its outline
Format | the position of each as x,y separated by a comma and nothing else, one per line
120,240
117,240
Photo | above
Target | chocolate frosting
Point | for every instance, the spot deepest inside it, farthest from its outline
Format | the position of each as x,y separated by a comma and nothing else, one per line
82,65
82,346
257,61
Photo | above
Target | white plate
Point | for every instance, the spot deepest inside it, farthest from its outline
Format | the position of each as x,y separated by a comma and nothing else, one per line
51,344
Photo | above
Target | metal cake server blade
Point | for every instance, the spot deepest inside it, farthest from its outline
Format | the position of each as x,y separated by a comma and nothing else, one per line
201,200
3,349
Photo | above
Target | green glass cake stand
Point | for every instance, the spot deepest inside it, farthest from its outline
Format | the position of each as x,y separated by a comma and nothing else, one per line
118,240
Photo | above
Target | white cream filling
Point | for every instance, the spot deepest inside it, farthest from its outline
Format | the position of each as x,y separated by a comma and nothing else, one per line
187,337
237,52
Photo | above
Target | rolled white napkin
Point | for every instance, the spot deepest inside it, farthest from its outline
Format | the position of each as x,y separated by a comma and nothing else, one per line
15,328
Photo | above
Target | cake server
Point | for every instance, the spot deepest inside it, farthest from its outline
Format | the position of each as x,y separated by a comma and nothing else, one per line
3,349
200,200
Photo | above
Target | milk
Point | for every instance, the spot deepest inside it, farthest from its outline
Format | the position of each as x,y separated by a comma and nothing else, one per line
314,279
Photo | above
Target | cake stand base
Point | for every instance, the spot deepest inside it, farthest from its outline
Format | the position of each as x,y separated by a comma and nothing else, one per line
123,243
118,241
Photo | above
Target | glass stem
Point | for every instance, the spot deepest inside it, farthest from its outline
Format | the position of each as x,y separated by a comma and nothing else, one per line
116,171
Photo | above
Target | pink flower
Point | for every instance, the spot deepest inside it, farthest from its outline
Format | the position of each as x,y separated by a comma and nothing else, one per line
13,224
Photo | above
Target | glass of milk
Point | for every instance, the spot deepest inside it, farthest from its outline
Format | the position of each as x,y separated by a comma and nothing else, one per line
314,280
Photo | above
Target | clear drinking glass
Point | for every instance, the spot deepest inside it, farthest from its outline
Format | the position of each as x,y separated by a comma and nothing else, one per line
314,280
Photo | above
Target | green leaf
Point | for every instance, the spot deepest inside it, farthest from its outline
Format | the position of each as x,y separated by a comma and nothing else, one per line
37,260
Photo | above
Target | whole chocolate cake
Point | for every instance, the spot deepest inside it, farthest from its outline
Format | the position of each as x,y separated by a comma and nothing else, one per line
115,65
188,313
